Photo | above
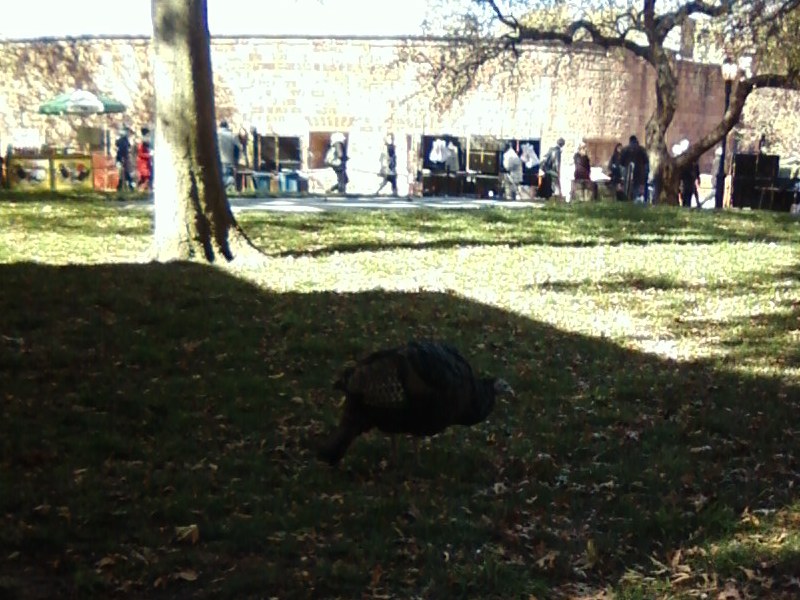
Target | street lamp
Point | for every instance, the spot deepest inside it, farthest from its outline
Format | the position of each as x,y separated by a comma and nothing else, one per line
729,71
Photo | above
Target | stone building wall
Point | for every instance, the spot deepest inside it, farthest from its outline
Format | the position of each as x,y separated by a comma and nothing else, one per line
301,85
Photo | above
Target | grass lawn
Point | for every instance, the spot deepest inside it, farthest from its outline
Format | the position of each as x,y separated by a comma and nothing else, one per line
159,421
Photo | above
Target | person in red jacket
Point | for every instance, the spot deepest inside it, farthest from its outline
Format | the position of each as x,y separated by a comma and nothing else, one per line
144,162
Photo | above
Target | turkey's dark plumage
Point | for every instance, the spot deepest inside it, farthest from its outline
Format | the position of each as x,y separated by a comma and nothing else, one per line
420,388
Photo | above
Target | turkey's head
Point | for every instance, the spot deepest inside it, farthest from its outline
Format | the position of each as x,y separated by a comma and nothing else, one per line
502,388
340,383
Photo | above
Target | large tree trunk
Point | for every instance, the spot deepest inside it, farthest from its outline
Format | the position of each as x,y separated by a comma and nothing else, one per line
662,165
193,218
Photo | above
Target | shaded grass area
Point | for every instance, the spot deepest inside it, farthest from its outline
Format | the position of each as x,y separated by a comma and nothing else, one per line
159,422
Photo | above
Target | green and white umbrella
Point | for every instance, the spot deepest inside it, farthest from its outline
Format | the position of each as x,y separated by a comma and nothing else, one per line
81,102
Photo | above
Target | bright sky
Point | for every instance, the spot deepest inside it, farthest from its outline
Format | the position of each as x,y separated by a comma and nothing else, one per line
39,18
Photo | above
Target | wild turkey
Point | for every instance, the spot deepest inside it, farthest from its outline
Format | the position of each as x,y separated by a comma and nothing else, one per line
421,388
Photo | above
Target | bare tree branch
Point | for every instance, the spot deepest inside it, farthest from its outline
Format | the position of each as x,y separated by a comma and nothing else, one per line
667,22
640,27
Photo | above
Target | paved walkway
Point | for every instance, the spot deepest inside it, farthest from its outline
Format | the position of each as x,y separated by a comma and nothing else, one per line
329,203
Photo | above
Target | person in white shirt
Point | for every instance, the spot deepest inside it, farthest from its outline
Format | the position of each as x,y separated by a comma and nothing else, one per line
512,165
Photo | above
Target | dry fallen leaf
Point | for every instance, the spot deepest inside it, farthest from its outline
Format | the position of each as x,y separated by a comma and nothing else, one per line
676,558
730,592
64,513
547,561
680,577
190,533
105,562
700,449
592,554
377,573
749,573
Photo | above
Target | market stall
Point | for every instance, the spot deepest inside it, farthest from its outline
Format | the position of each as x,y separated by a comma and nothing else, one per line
472,166
444,165
63,169
45,170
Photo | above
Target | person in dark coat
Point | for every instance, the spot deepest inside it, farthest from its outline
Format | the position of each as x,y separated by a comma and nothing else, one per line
583,166
689,176
582,174
123,160
636,165
389,166
551,167
615,171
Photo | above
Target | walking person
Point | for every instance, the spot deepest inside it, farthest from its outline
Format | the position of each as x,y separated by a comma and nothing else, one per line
551,167
123,160
688,177
144,162
714,173
143,166
336,159
389,165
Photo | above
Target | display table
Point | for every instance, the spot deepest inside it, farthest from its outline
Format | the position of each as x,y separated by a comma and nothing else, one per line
35,171
244,179
443,184
460,183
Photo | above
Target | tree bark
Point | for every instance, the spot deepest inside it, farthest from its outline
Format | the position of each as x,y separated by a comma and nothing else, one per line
662,165
193,218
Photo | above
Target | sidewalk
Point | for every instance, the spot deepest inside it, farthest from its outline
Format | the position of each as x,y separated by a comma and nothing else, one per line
330,203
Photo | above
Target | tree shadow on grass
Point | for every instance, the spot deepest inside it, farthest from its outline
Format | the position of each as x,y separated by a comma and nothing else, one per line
159,424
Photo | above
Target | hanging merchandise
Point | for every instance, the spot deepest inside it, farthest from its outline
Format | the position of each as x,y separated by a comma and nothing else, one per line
528,156
451,157
438,151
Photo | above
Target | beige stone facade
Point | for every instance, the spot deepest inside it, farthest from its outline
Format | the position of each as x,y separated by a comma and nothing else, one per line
306,86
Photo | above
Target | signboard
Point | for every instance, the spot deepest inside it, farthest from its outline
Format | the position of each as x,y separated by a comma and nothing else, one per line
29,173
25,137
72,173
